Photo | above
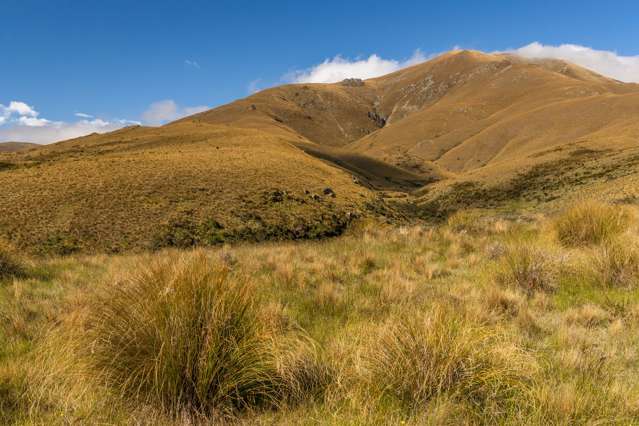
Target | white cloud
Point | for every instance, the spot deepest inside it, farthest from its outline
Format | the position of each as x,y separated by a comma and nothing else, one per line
21,123
33,121
167,110
338,68
194,109
54,131
21,109
607,63
191,63
604,62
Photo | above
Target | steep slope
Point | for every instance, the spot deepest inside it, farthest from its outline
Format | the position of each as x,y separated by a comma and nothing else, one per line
466,110
457,113
326,114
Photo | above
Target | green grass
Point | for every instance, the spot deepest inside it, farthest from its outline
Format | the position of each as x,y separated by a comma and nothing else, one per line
381,326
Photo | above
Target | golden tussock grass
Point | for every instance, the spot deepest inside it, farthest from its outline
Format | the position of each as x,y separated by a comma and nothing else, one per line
528,267
591,222
616,263
180,336
355,330
418,359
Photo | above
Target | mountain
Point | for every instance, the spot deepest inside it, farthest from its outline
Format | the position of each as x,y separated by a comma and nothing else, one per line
490,119
16,146
466,129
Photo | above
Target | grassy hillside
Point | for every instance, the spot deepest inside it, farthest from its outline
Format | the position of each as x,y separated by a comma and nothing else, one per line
481,320
16,146
178,185
466,129
467,110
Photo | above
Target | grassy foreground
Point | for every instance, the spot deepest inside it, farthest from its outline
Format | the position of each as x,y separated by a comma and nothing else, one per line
482,320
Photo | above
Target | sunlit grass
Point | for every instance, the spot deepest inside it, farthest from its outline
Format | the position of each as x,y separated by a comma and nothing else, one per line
422,325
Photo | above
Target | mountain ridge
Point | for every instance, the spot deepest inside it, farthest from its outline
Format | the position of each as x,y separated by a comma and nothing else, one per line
302,160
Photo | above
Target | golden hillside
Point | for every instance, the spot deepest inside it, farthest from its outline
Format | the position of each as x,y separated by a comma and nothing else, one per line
177,185
465,116
466,129
15,146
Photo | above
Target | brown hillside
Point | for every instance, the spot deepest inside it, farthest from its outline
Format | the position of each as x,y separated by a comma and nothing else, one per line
180,185
16,146
464,129
466,110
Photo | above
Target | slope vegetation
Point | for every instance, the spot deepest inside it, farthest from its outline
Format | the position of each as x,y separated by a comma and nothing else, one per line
178,185
466,129
15,146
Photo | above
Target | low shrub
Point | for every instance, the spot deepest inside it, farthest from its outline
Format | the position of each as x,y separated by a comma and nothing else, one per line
181,336
421,359
590,223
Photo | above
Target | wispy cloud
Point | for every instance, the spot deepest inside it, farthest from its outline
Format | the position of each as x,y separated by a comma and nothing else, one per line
167,110
191,63
253,86
339,68
22,123
83,115
604,62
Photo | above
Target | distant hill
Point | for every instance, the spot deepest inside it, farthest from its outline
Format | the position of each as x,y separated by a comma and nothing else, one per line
16,146
466,129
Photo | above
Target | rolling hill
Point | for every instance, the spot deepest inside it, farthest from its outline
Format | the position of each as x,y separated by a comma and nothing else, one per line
466,129
16,146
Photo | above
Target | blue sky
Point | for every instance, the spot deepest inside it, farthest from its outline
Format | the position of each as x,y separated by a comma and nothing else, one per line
119,62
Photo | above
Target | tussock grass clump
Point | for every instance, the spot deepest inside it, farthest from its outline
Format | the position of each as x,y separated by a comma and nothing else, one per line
422,358
527,267
590,223
616,264
11,265
181,336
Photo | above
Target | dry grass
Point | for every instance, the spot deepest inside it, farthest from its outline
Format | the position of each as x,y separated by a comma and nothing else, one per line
355,330
591,223
528,267
11,264
179,185
467,221
182,337
616,264
418,359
